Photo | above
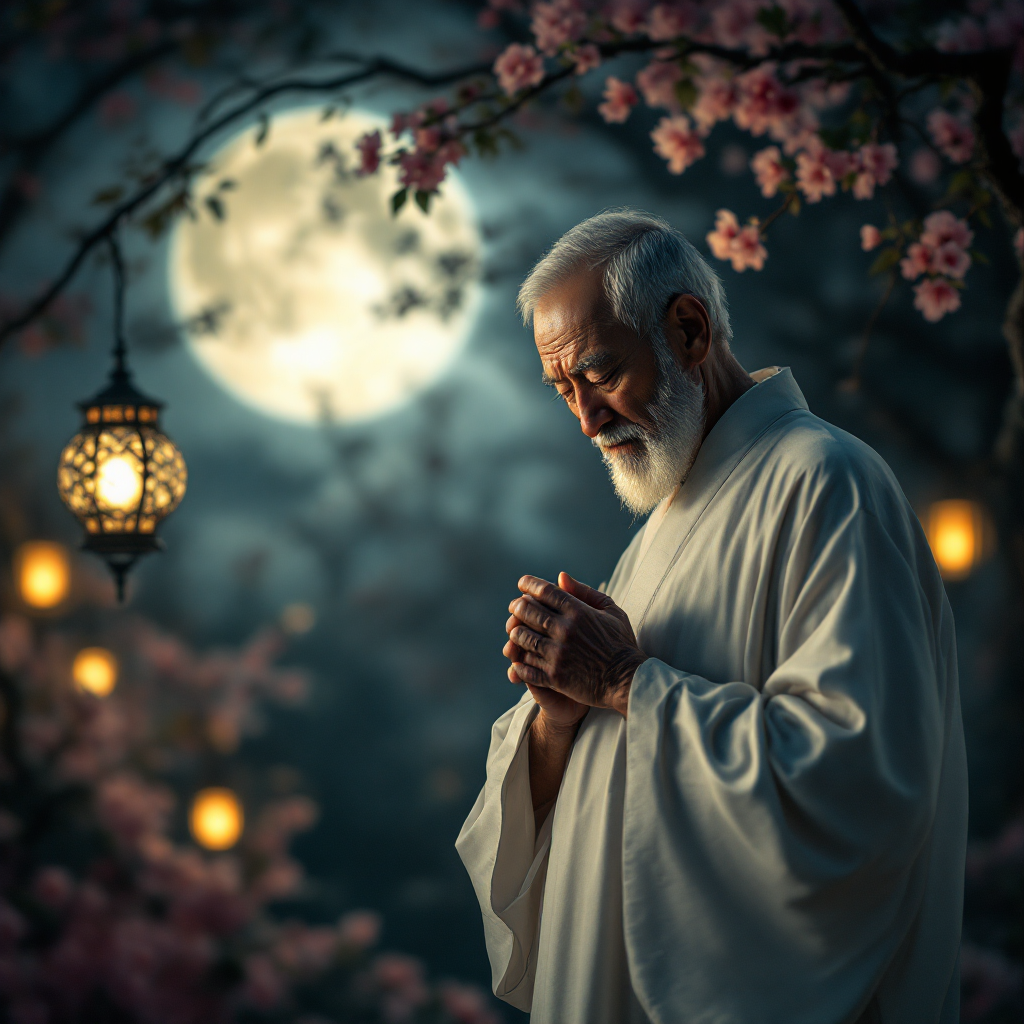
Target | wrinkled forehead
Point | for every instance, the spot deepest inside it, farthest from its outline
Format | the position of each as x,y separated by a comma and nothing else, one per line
572,317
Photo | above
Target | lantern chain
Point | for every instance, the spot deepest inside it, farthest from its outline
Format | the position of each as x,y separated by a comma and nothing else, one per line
117,266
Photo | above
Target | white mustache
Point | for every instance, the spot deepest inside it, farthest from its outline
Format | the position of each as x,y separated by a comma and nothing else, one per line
619,433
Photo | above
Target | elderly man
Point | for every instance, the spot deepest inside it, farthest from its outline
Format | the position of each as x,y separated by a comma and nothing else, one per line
735,791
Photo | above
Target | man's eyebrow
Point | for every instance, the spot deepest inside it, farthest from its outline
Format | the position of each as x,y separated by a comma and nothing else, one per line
597,361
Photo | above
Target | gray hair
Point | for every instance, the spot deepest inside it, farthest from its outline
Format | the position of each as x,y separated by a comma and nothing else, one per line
646,264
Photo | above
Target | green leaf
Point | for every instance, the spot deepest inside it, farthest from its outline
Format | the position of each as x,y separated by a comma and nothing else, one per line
216,206
983,217
398,200
226,185
980,257
423,200
263,131
794,206
106,196
485,142
885,260
686,93
328,112
835,138
775,20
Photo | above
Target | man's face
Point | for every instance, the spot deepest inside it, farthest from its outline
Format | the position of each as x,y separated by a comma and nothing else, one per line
632,399
605,373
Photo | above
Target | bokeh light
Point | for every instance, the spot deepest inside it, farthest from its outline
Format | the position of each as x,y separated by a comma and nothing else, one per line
217,818
43,572
956,533
95,671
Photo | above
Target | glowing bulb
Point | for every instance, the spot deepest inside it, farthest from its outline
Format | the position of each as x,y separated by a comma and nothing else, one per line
95,671
119,483
43,572
216,819
955,534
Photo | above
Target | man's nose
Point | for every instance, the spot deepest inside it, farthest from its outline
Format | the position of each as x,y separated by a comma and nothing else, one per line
594,413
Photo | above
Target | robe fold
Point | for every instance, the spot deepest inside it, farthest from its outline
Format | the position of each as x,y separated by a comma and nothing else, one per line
777,831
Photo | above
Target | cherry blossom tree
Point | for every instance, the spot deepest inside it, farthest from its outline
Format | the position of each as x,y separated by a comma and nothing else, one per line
107,913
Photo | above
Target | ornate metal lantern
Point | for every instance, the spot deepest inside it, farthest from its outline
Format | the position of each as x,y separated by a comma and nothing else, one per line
120,474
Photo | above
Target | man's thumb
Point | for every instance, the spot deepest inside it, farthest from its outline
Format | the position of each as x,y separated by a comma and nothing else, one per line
588,595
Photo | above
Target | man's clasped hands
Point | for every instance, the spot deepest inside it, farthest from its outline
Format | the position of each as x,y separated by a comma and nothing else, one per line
572,646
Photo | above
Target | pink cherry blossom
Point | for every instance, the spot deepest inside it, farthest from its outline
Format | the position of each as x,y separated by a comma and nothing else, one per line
741,246
676,141
813,176
734,23
918,260
657,83
359,929
427,139
619,99
943,226
953,136
870,237
628,16
369,146
935,297
131,808
586,58
769,170
720,240
557,23
747,249
669,21
762,101
925,166
873,166
518,67
716,101
421,171
951,260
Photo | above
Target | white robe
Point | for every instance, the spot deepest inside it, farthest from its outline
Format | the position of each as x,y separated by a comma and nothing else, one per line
777,832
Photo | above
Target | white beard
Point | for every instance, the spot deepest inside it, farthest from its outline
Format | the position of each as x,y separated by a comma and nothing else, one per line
662,453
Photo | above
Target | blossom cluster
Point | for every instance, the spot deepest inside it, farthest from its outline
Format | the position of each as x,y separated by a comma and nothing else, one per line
939,257
145,924
709,64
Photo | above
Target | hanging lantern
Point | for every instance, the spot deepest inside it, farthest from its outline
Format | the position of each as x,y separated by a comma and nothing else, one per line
43,572
217,818
120,474
958,535
95,671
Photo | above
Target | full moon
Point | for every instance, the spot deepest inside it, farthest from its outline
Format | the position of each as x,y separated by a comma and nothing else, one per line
301,293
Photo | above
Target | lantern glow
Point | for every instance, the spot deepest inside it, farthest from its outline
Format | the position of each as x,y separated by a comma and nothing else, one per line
956,532
95,671
120,474
43,572
216,819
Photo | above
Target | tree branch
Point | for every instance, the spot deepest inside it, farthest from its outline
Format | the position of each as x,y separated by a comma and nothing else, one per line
35,147
988,71
179,164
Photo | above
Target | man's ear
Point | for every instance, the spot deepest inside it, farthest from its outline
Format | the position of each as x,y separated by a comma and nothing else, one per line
688,330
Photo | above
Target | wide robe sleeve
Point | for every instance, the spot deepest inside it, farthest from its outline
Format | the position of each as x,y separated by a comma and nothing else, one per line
506,858
773,835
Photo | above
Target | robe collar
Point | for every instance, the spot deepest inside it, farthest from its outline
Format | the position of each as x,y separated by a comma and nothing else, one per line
728,441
